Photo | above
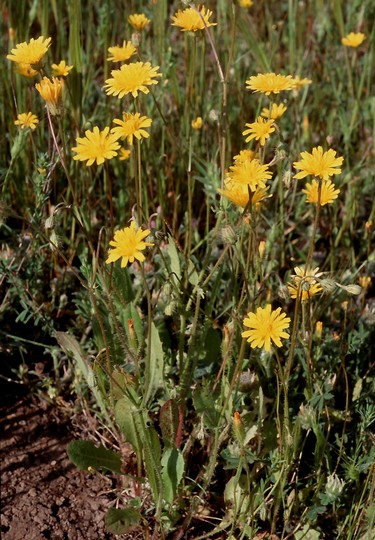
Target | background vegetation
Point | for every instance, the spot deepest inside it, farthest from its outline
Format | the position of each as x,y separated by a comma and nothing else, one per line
239,440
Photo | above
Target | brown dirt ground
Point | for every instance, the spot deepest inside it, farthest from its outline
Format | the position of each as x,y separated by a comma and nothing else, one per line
43,494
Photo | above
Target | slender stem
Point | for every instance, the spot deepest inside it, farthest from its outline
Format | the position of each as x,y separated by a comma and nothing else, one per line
149,322
189,217
139,182
293,339
315,226
108,185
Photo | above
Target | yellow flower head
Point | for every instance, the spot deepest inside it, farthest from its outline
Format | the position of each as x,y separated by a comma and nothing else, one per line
270,83
304,283
61,69
354,39
300,83
96,146
138,21
364,281
261,248
30,53
197,123
244,155
132,125
318,163
124,154
239,194
191,20
266,326
260,130
26,70
276,111
318,329
27,120
328,192
51,92
121,54
250,173
245,3
128,245
131,79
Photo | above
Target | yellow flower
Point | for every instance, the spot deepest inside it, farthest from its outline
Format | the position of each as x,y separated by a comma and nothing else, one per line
138,21
261,248
51,92
354,39
246,3
327,195
61,69
304,283
131,79
121,54
318,163
267,326
276,111
300,83
319,329
30,53
191,20
128,244
131,126
27,120
364,281
197,123
244,155
260,130
26,70
250,173
124,154
239,194
96,146
270,83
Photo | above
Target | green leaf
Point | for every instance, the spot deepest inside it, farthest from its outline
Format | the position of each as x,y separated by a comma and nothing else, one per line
120,521
212,346
172,472
85,454
357,390
127,415
152,456
122,283
313,513
155,368
307,534
205,405
168,421
173,255
70,345
131,313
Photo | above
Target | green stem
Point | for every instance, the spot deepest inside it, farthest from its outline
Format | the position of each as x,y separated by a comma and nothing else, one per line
315,227
149,321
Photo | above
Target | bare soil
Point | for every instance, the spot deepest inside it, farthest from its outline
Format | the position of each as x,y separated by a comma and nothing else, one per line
43,495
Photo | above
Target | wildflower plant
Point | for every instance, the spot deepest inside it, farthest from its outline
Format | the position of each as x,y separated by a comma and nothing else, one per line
220,335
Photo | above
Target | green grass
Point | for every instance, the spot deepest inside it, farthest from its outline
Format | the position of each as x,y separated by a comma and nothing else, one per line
279,442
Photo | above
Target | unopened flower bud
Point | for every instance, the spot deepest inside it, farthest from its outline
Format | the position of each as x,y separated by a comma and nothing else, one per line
238,428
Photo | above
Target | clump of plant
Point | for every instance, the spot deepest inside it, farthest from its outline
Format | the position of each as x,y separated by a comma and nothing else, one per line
221,323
